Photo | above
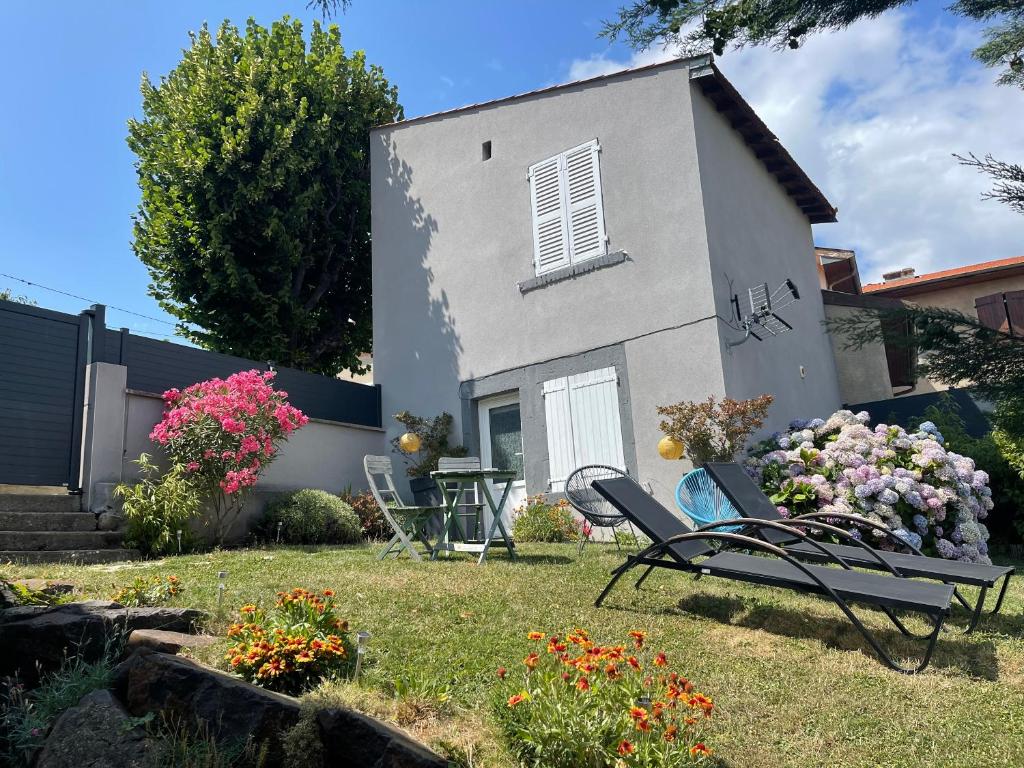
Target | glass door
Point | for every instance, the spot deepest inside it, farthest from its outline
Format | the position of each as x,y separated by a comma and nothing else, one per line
501,447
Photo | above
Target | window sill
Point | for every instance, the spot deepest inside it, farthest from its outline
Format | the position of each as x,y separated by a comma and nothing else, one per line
573,270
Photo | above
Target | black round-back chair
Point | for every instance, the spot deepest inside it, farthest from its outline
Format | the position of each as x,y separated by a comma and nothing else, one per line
594,508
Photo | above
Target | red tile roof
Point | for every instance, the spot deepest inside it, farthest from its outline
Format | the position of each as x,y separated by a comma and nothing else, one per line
945,274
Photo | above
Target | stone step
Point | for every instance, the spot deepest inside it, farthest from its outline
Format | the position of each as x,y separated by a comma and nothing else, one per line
73,556
59,540
40,502
47,521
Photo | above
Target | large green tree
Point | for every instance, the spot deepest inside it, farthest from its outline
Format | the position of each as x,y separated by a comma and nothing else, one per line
253,160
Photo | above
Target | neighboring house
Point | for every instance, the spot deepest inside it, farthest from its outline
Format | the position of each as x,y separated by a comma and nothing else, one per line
993,291
552,266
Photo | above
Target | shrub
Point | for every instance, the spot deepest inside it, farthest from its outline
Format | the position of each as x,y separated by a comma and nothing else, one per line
311,516
157,507
371,520
142,593
1001,455
433,434
580,704
224,432
26,717
928,496
537,520
712,431
295,646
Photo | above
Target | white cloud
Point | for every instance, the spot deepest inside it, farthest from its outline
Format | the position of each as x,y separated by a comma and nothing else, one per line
448,82
874,114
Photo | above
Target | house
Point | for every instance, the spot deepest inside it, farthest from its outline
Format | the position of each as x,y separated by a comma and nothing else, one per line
550,267
993,291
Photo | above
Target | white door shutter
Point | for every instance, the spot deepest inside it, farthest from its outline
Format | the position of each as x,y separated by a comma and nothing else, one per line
561,456
583,199
547,197
594,403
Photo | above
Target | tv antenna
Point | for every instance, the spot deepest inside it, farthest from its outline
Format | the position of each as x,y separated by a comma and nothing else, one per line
763,319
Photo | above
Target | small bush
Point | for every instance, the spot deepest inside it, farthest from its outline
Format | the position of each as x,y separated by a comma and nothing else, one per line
301,642
537,520
573,703
143,593
157,507
371,520
26,717
311,517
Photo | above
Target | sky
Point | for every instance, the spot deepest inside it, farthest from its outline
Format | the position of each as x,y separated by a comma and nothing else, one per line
872,113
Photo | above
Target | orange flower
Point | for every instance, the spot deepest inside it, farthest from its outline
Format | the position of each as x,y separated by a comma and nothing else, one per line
531,660
638,638
670,733
518,698
660,660
236,661
534,635
583,684
612,671
638,713
328,593
700,701
502,672
250,608
699,750
625,748
633,662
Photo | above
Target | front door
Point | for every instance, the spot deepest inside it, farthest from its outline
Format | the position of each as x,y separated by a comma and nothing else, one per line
501,447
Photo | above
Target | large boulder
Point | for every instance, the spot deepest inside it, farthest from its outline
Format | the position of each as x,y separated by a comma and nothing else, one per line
233,711
353,739
229,709
96,733
40,637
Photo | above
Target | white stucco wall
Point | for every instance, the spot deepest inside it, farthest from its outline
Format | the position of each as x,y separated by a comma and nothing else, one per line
757,234
453,236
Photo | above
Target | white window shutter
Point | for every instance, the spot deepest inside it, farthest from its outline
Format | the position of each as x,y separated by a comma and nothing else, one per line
583,202
594,404
558,418
547,199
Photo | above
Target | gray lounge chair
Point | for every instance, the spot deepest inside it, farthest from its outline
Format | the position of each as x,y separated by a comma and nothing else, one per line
678,547
751,502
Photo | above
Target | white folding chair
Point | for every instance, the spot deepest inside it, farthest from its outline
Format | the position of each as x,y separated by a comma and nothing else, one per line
407,522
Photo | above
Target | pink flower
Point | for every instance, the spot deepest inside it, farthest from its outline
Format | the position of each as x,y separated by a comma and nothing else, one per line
192,466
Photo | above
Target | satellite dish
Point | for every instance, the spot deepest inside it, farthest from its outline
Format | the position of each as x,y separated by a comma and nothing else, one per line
763,319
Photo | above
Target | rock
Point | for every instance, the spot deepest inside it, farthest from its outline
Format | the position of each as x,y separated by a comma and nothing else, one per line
96,733
7,597
357,740
163,641
231,709
108,521
46,634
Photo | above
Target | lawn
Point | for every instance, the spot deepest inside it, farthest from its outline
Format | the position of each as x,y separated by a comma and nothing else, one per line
793,682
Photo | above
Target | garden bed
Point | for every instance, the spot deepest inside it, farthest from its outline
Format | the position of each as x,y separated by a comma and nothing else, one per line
792,681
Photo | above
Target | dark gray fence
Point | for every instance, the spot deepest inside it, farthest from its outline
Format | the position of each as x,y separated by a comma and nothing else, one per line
42,384
156,366
43,355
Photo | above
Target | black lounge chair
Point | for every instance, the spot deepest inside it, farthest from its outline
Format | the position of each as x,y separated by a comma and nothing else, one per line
751,502
678,547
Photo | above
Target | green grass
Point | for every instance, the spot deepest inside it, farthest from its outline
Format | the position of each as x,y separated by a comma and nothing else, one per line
794,683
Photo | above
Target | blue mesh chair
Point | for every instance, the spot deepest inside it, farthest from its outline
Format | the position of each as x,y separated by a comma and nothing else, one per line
702,501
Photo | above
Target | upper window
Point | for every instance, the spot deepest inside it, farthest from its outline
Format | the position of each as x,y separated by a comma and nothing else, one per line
568,218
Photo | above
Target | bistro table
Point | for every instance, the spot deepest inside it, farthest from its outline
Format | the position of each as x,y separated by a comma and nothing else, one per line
453,485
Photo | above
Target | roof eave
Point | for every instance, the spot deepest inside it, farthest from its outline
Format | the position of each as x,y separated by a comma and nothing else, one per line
764,144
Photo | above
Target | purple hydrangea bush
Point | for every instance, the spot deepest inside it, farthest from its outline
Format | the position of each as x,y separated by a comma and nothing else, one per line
932,498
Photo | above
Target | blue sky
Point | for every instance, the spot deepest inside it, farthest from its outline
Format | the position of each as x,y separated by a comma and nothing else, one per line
871,113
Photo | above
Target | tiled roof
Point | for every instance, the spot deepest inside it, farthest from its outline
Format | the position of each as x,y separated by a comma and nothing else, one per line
945,274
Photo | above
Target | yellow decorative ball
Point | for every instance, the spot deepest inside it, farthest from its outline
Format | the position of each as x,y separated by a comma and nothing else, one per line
669,448
409,442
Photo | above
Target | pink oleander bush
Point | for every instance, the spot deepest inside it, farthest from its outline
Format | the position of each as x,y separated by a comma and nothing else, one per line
931,497
224,432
